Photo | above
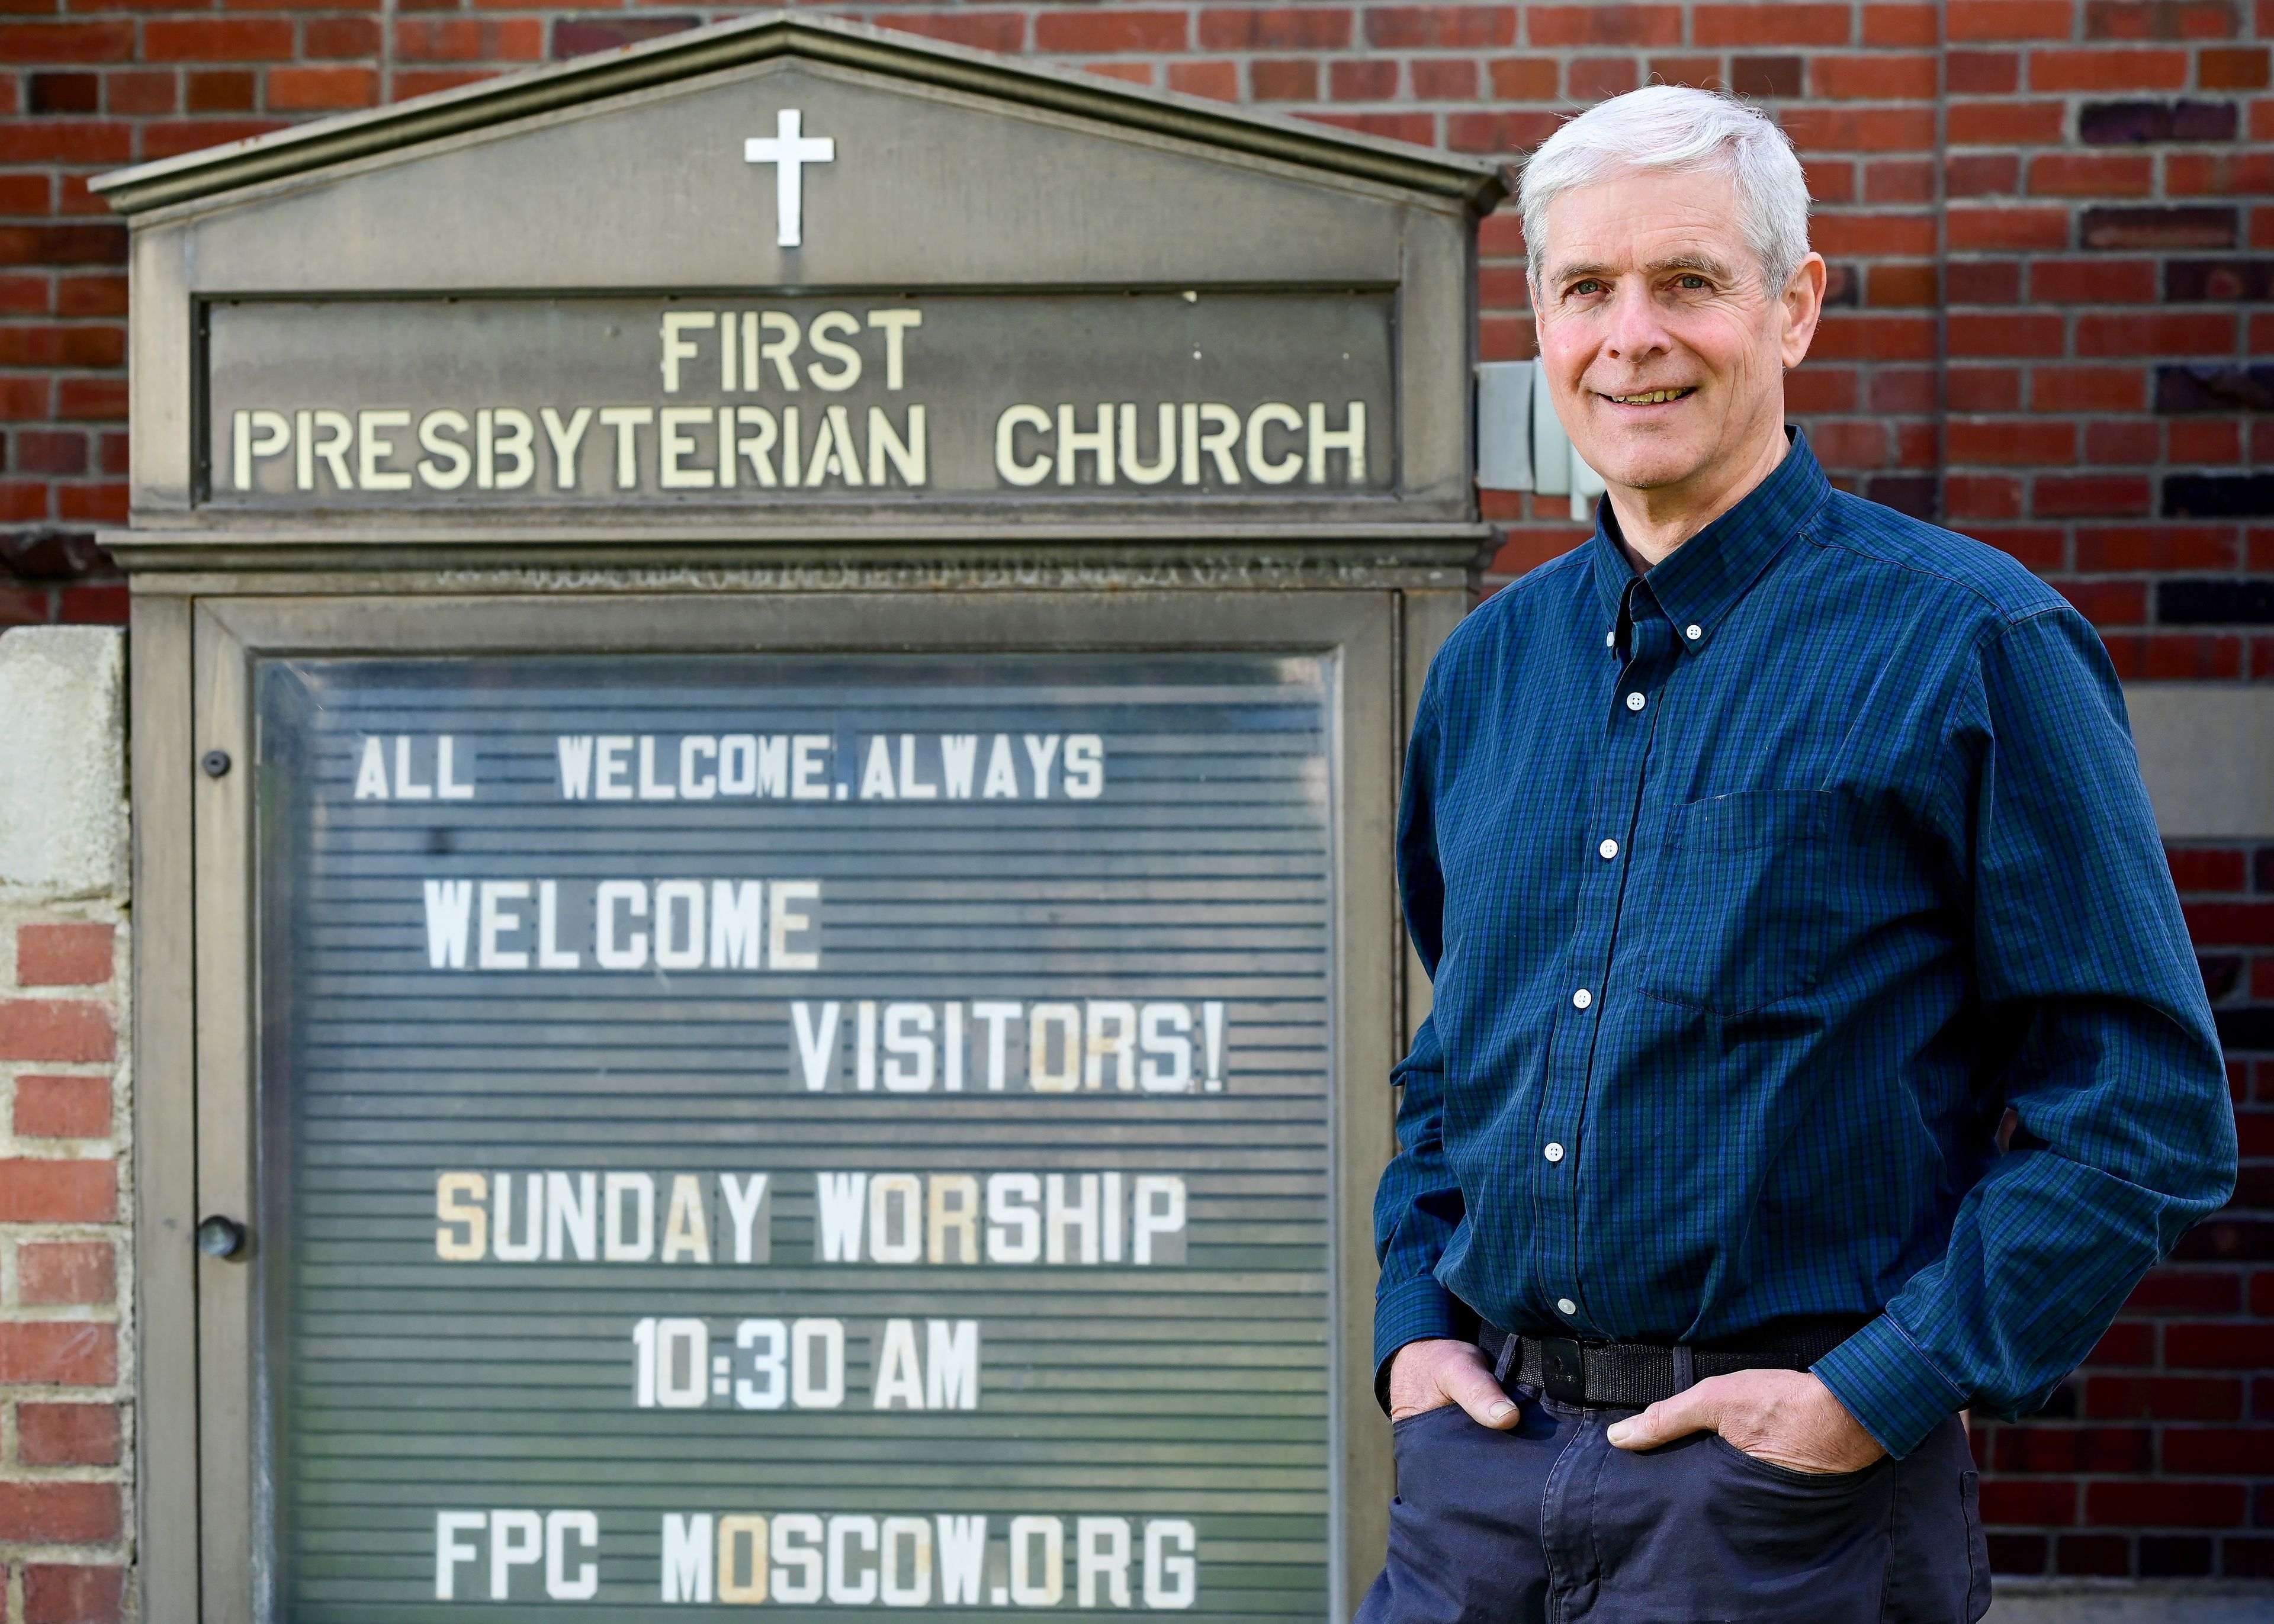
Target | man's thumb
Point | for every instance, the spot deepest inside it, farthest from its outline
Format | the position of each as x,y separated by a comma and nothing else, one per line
1474,1390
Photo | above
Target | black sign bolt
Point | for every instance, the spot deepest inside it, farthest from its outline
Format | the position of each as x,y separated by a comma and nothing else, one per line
219,1237
215,762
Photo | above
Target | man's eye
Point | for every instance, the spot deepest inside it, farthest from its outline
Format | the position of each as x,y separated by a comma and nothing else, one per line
1690,283
1586,285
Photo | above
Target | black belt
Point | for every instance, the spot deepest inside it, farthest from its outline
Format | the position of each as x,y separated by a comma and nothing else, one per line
1634,1375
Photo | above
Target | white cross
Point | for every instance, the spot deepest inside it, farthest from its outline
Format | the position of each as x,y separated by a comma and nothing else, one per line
789,153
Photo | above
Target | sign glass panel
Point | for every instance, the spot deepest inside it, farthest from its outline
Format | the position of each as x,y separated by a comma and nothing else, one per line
831,1133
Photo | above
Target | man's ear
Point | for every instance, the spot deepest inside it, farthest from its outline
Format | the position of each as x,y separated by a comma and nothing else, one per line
1802,303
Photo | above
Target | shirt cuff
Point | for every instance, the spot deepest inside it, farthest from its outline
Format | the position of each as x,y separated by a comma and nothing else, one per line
1893,1390
1411,1310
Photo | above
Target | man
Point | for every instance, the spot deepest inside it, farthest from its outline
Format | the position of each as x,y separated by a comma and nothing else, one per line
1816,1050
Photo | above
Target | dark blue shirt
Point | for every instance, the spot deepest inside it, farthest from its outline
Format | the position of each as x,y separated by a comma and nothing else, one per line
1754,891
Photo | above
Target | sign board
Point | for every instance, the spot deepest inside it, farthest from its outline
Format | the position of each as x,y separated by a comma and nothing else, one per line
828,1131
769,676
736,403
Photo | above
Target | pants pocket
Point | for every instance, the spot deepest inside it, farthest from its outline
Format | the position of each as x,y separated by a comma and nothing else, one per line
1978,1547
1700,1530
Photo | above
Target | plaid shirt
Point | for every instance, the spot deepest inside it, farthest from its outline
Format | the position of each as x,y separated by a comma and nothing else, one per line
1754,891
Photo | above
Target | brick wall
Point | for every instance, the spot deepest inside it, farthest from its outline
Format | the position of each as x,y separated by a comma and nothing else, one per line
2051,224
65,1393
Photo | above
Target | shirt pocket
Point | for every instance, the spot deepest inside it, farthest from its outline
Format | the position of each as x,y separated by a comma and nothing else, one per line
1744,915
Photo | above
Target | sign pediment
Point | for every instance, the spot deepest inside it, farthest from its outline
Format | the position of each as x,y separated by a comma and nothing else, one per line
784,267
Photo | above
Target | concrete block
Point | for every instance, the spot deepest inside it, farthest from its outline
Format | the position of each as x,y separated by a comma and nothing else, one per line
2207,752
63,762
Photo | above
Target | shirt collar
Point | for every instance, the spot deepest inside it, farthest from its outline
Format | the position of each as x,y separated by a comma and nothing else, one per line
1699,584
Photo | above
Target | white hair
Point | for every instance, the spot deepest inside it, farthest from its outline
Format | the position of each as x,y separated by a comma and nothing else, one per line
1673,129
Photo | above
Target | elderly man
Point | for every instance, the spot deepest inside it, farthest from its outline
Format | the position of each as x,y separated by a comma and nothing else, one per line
1817,1050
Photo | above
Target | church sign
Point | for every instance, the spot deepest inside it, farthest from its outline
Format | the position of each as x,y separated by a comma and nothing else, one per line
768,674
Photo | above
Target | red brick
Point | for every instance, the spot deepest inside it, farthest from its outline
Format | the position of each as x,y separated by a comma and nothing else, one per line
1521,78
2206,175
1874,338
1295,80
2242,67
1977,229
2197,439
1901,24
1445,78
2172,1290
55,1272
2005,124
2176,656
72,1030
94,603
2037,1447
1981,496
1085,32
1499,133
2087,388
63,955
138,92
222,90
2163,1398
1982,73
168,138
58,1594
2014,440
1364,79
2009,20
1772,25
1899,180
2157,546
67,1434
2158,19
2093,281
1292,27
60,1353
2164,1504
1851,444
59,1514
1984,388
1873,236
1878,129
1553,26
320,90
2105,603
23,44
2039,546
1830,180
2089,496
217,39
1699,73
335,38
2240,1451
99,504
2034,1503
997,30
1219,81
63,1108
55,1191
2005,333
1985,281
2058,71
1596,79
1883,77
91,296
2219,1346
2091,174
2164,333
1440,27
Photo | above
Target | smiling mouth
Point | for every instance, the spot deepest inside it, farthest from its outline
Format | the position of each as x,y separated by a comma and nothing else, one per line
1651,397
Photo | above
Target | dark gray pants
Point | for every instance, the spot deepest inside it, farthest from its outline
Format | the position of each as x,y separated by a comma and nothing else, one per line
1548,1523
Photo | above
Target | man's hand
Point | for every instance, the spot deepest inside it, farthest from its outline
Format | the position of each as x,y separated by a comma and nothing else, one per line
1786,1417
1426,1375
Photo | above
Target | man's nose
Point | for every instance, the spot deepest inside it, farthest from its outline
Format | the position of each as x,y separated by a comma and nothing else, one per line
1634,333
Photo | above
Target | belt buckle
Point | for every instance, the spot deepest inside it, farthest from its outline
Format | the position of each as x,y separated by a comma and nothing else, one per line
1563,1370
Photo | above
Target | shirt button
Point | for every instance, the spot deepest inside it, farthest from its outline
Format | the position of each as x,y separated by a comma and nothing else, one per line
1565,1306
1554,1153
1609,849
1611,639
1582,998
1634,702
1693,632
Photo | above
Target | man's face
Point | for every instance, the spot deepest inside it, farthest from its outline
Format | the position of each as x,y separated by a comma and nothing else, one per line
1665,351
